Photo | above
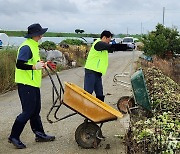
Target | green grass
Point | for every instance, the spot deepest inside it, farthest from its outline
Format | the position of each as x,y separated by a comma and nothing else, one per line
7,69
49,34
63,34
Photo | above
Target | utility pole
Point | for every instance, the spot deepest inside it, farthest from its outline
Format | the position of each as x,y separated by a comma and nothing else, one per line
163,14
141,28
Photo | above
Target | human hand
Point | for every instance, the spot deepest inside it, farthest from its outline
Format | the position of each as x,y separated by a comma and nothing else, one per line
39,65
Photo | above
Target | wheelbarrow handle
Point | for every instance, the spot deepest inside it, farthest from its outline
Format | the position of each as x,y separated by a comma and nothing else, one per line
52,70
49,66
58,92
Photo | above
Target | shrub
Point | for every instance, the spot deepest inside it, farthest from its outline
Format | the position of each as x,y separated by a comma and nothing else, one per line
7,69
155,45
48,45
73,42
161,41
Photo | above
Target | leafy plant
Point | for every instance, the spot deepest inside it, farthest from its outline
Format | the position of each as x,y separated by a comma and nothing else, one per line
161,41
163,91
7,69
160,133
73,42
48,45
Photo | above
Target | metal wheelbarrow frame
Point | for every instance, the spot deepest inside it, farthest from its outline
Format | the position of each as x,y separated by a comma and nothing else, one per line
88,134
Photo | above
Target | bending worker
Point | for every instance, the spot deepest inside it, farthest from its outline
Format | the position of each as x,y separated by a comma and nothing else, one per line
96,64
28,77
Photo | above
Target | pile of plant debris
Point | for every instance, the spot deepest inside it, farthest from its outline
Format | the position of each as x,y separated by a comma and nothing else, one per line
163,91
161,132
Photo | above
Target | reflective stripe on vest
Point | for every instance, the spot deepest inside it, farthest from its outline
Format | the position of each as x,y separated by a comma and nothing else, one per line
30,77
97,60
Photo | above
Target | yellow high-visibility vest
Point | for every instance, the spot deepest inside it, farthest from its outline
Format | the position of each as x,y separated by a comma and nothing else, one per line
97,60
30,77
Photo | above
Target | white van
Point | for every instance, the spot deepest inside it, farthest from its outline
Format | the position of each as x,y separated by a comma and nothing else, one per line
129,41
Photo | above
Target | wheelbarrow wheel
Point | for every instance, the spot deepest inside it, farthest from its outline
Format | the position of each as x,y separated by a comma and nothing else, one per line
125,103
86,135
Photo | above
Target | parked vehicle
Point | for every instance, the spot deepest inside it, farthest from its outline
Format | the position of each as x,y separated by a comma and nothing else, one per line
130,42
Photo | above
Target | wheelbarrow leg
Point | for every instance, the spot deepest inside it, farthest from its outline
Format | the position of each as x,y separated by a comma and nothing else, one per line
99,133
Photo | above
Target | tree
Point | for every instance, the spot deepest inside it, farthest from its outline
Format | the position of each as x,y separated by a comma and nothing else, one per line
77,31
161,41
81,31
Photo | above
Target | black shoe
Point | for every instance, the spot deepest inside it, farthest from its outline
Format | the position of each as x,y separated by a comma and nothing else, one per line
41,137
17,143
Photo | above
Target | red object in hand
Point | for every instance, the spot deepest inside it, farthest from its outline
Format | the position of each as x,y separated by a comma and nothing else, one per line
51,64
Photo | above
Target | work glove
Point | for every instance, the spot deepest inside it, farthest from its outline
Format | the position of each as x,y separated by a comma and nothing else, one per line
39,65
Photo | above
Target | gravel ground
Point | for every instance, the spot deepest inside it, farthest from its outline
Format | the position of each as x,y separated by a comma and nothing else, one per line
65,130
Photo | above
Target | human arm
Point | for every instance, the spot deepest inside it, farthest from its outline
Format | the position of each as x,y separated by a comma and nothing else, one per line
20,64
99,46
24,55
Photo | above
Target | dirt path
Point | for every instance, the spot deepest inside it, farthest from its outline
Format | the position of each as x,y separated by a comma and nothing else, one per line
65,129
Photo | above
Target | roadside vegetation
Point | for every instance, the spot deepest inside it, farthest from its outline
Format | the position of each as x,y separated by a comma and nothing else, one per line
162,42
77,33
47,45
50,34
7,67
74,50
158,132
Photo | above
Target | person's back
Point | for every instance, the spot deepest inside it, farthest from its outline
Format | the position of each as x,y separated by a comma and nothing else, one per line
113,41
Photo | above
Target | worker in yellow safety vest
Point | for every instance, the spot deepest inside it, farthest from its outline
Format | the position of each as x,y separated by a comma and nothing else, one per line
97,64
28,77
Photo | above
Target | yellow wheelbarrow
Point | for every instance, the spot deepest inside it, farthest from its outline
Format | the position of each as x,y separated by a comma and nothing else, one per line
88,134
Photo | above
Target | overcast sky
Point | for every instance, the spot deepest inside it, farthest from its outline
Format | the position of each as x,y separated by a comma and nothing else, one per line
93,16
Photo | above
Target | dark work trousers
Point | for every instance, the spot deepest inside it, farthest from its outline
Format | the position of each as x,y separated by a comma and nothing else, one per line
93,82
31,106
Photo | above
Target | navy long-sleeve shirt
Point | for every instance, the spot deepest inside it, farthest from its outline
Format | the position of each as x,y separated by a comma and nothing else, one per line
99,46
24,55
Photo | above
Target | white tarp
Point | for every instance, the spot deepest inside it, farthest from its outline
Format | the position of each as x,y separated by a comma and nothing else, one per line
4,38
54,56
